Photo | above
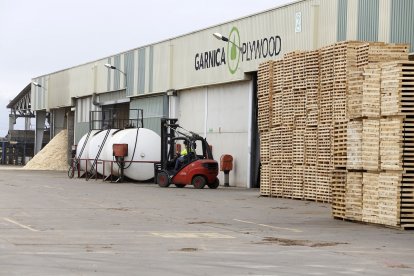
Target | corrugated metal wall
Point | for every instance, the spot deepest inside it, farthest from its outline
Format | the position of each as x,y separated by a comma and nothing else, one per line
141,71
109,76
328,22
151,69
368,18
111,97
82,116
80,130
38,95
402,22
342,20
154,109
117,74
129,68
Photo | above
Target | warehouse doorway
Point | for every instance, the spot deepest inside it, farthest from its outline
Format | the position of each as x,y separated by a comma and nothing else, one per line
255,142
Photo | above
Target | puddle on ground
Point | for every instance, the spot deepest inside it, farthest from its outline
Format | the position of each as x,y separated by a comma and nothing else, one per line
290,242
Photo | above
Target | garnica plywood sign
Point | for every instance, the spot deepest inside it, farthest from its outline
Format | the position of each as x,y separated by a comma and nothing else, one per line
237,51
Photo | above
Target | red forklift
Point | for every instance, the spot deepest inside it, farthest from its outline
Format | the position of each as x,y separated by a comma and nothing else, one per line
197,167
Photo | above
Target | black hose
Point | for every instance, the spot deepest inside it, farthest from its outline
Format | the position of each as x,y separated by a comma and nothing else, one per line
133,153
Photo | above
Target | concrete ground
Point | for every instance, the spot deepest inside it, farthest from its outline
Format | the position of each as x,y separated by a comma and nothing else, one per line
52,225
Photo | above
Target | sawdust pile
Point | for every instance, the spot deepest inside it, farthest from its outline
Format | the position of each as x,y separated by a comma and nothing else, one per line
53,156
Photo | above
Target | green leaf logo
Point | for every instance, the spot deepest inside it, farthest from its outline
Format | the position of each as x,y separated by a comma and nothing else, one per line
233,50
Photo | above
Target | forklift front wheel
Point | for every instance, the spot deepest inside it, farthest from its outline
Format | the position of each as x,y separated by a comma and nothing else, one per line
199,182
215,184
163,179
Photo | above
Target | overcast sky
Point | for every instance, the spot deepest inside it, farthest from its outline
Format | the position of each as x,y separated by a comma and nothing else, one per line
38,37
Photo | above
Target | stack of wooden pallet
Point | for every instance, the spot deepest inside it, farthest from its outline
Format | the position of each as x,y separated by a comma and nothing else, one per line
264,93
396,185
326,120
374,140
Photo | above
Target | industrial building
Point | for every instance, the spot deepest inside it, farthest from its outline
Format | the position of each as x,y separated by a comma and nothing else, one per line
210,85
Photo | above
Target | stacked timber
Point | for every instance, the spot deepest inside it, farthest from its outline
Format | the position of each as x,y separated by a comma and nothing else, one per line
397,144
264,93
336,125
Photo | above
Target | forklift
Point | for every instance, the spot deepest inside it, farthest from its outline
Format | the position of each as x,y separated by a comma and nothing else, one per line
197,167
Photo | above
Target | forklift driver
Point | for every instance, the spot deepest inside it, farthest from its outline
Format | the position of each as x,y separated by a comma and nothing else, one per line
182,158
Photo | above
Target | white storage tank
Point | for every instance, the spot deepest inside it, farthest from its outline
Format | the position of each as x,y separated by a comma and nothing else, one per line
94,146
144,145
85,150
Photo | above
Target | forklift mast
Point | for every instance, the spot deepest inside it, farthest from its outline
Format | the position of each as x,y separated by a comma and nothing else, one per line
168,127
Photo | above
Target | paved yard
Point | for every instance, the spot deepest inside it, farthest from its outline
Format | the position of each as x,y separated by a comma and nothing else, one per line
52,225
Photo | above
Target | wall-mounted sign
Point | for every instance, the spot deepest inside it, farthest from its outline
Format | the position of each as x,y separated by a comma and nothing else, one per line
238,51
298,22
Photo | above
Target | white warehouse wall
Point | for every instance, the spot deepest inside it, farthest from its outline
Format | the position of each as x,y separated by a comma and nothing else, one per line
221,114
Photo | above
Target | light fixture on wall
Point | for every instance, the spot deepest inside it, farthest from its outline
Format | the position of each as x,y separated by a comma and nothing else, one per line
225,39
36,84
110,66
171,92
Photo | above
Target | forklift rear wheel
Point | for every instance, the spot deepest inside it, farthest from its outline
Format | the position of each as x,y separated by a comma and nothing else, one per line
199,182
215,184
163,180
179,185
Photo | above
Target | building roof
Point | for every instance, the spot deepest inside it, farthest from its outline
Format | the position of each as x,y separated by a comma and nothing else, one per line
23,93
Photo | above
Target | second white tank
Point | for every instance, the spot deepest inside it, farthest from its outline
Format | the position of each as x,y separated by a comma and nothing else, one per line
144,148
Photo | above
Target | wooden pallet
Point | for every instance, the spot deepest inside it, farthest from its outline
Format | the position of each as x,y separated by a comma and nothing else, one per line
288,80
326,63
323,185
371,144
312,69
287,180
297,182
288,108
265,179
277,109
397,88
370,197
407,199
354,145
309,182
339,106
325,146
391,147
408,140
389,201
311,146
362,58
286,135
355,92
276,188
298,145
338,184
278,76
325,104
312,116
381,52
371,91
276,145
299,101
339,145
299,70
353,196
265,146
